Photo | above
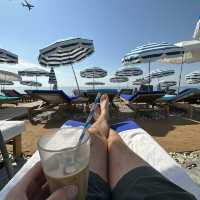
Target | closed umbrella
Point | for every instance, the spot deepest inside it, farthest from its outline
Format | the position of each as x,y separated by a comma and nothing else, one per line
66,52
150,53
94,72
34,72
196,34
52,77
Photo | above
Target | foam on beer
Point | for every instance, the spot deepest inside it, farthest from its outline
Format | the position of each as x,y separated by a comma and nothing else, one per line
64,138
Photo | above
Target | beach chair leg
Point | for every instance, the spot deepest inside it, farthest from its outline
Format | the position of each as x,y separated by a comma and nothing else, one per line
17,146
5,155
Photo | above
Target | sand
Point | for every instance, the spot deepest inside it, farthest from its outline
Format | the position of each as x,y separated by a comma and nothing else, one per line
174,134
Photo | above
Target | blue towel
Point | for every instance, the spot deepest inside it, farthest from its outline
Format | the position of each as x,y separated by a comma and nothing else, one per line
119,127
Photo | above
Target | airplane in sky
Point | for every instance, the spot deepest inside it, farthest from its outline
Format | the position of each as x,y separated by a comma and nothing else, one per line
27,4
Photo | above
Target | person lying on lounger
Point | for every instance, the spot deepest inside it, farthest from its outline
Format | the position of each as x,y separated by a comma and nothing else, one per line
116,172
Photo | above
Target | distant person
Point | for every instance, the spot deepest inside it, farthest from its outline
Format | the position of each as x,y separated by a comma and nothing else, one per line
116,172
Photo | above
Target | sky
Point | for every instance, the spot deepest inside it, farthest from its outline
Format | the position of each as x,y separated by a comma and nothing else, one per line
115,26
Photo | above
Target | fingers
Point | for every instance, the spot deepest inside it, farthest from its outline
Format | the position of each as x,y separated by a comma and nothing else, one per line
65,193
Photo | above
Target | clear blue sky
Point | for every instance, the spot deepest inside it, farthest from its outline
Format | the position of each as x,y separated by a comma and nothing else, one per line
115,26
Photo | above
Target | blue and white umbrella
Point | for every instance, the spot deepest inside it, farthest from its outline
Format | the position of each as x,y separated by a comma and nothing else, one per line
119,79
129,71
95,83
193,77
164,83
8,57
141,81
151,53
31,83
160,73
66,52
52,77
93,72
34,72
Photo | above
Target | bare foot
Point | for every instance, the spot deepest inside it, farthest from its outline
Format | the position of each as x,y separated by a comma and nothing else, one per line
103,109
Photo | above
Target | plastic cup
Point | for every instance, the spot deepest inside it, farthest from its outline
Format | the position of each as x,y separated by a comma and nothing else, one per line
63,161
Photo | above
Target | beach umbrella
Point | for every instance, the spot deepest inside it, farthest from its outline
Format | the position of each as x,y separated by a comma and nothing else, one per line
31,83
164,83
191,54
9,76
129,71
52,77
193,77
141,81
118,79
93,72
8,57
3,83
150,53
196,34
66,52
34,72
160,73
95,83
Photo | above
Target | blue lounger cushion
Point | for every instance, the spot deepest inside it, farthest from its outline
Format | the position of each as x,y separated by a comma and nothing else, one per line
127,97
119,127
59,92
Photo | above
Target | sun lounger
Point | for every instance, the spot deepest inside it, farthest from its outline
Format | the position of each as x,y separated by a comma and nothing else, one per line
143,102
14,93
11,130
142,144
190,96
56,97
5,99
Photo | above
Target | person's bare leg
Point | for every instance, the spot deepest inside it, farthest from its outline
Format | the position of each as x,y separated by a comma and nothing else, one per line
121,158
99,132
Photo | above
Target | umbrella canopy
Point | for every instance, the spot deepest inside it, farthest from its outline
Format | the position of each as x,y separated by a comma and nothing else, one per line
34,71
6,83
52,77
129,71
164,83
95,83
191,53
141,81
8,57
160,73
66,52
151,52
193,78
94,72
31,83
196,34
9,76
118,79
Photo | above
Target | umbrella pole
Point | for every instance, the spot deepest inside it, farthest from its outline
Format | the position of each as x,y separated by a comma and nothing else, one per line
75,79
149,75
180,75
